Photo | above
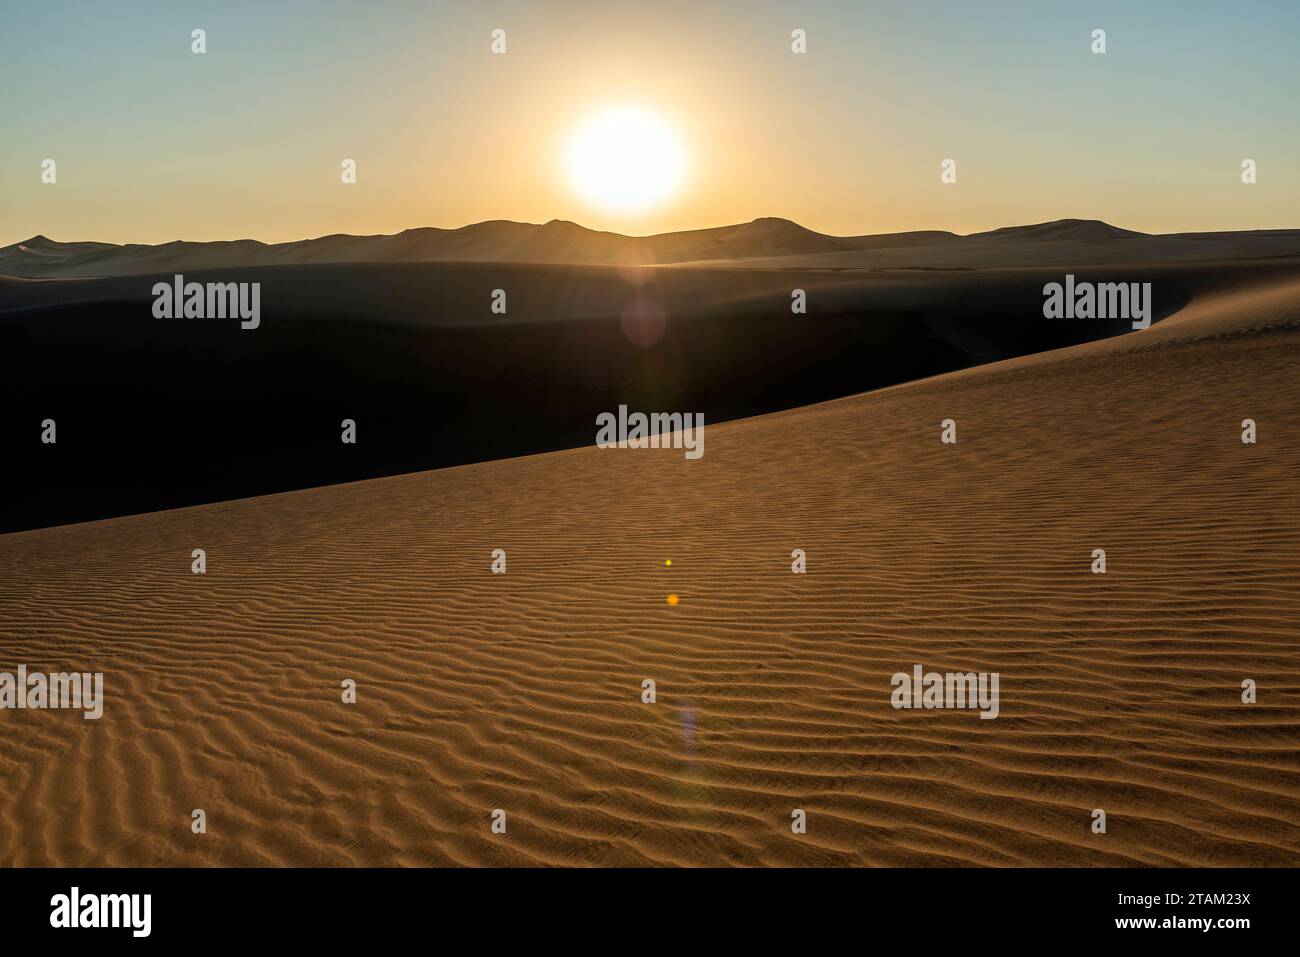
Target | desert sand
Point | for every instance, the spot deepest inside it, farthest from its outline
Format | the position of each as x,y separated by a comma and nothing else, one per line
523,691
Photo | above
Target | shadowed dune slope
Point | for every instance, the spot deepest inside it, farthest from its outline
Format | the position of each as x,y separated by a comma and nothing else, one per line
522,692
411,353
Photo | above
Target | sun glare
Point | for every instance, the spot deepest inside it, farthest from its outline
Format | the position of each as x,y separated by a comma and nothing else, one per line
625,160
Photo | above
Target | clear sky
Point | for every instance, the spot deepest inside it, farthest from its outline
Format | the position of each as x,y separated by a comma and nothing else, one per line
154,143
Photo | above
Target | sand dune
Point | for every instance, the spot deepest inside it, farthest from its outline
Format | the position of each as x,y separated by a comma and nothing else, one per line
412,353
767,243
522,691
557,241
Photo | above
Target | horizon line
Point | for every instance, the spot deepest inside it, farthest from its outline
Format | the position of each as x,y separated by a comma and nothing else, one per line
646,236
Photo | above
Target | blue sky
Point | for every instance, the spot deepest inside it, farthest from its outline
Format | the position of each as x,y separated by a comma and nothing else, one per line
156,143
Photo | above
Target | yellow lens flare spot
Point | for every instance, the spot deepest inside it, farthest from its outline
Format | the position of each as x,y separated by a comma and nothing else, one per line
673,599
668,562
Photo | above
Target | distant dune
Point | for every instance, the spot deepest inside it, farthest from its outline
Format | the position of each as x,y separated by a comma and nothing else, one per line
522,692
764,242
373,329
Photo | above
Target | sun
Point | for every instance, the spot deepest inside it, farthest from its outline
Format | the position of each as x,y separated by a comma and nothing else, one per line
625,160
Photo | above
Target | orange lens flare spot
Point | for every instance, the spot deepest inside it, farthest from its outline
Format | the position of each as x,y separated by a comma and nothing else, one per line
673,599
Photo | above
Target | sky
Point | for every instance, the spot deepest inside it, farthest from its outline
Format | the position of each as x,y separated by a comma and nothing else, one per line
153,142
